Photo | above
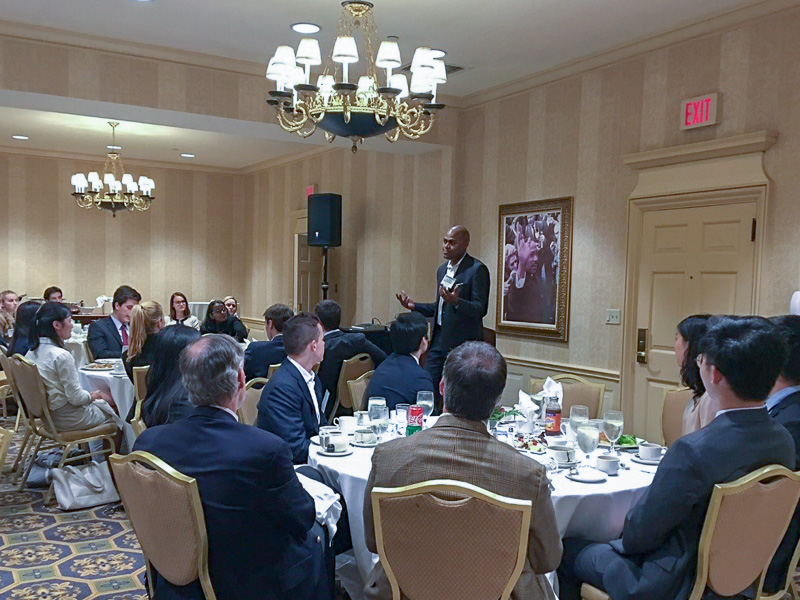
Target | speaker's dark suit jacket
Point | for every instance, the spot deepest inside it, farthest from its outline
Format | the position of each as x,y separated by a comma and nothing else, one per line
657,554
339,346
398,379
260,355
259,518
464,321
286,409
787,413
104,340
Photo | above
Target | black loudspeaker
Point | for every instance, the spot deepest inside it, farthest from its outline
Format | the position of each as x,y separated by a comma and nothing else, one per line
325,220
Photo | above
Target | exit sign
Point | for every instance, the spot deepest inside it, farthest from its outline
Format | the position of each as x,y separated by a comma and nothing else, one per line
699,112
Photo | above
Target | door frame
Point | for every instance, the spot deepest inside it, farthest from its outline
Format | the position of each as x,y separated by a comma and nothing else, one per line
299,227
726,171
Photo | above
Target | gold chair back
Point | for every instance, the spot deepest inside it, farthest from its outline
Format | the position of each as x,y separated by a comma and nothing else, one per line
675,402
140,382
358,388
272,369
172,532
577,390
31,390
352,369
471,519
248,411
6,436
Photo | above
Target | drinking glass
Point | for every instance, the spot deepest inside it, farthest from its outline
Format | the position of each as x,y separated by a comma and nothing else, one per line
402,412
612,427
578,417
425,400
379,420
588,438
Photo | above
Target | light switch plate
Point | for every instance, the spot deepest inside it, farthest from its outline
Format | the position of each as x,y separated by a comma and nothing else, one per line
613,316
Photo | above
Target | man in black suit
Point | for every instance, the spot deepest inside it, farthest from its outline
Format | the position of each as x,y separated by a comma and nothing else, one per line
340,346
108,336
291,404
783,406
530,297
263,541
463,299
260,355
740,359
399,377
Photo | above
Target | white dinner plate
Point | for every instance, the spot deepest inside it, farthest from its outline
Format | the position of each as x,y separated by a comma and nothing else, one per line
363,444
644,461
588,476
347,452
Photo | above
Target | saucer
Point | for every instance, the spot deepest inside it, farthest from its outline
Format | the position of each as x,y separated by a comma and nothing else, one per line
314,439
363,444
588,476
568,464
645,461
347,452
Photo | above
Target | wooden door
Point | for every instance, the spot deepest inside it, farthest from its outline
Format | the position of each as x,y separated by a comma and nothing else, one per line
308,274
693,260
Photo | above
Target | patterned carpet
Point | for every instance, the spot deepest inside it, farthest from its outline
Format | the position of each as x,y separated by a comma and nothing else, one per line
49,554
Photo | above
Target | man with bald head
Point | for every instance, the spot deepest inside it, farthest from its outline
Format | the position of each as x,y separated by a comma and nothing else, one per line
462,301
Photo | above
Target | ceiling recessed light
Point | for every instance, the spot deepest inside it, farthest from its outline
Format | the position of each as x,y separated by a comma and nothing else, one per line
187,155
143,0
305,28
20,137
436,53
114,147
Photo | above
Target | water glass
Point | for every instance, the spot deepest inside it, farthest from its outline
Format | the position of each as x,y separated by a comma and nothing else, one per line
379,420
612,427
402,412
374,404
425,400
578,417
588,438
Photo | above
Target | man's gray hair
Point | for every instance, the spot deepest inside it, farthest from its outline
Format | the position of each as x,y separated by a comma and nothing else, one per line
210,369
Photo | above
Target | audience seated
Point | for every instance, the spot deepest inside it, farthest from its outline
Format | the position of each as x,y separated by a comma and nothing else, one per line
291,404
8,309
53,294
783,406
340,346
261,522
24,319
71,406
218,320
260,355
167,400
399,377
740,360
108,336
701,409
459,447
179,312
147,319
232,305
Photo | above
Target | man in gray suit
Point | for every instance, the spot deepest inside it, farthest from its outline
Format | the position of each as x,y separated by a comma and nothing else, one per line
459,447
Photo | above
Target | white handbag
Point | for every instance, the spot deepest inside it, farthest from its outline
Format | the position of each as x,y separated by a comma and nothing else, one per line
84,486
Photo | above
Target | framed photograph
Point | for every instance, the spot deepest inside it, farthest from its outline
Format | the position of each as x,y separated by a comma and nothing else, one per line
534,260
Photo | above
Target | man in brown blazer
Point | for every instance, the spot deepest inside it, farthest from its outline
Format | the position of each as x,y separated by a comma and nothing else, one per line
460,447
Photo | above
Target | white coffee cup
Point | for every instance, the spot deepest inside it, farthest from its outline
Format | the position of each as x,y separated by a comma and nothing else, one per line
608,464
362,417
324,434
562,453
347,424
365,436
337,442
650,451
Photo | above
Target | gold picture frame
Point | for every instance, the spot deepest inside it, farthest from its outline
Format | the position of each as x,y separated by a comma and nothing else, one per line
533,298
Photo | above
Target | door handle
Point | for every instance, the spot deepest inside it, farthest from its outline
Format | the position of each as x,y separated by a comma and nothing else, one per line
641,346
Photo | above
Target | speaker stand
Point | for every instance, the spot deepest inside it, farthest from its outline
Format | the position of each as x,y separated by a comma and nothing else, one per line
325,284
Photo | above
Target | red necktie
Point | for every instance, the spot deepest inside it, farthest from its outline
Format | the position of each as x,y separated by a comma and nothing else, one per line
124,331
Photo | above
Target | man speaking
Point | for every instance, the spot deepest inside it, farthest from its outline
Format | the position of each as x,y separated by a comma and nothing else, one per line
463,299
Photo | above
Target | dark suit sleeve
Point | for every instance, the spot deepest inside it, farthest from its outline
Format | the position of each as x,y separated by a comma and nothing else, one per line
285,496
377,355
477,304
428,309
280,411
252,368
98,342
239,330
676,489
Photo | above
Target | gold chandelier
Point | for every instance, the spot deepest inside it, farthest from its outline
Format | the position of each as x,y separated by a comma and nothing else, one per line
343,108
89,192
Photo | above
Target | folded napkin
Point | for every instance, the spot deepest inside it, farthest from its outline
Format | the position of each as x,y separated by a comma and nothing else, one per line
527,407
326,501
552,388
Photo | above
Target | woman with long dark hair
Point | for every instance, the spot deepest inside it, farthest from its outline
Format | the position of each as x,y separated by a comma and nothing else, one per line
167,400
71,406
701,409
219,320
26,312
179,312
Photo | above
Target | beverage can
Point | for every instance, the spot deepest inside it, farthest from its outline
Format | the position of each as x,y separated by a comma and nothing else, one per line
414,419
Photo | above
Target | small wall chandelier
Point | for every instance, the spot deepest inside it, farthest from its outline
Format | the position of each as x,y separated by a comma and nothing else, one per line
355,110
89,192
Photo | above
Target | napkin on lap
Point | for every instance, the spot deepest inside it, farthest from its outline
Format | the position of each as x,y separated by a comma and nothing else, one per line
326,502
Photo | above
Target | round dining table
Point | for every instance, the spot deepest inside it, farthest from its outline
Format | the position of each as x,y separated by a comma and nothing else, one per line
593,511
121,390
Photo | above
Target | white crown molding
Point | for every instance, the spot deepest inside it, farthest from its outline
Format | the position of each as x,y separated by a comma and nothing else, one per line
712,25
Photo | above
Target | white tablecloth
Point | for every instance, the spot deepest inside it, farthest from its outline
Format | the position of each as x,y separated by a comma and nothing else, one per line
592,511
121,390
76,347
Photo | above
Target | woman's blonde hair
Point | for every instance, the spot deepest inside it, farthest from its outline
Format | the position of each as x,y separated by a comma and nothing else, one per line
144,321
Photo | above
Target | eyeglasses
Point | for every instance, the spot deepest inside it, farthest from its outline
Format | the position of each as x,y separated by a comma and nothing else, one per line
219,309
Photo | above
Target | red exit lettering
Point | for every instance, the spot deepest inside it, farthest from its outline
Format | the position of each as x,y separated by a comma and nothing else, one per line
699,112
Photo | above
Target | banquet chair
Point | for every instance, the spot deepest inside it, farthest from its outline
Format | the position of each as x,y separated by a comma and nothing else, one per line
272,369
248,411
452,514
22,419
140,382
577,390
357,389
5,392
33,395
352,369
737,543
675,402
6,435
88,349
172,533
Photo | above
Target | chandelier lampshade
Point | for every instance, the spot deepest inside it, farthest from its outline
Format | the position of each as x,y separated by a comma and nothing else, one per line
360,104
